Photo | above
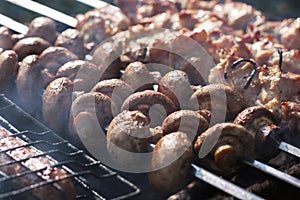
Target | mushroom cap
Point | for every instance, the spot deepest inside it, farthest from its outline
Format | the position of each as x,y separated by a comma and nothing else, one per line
57,100
176,85
154,104
252,118
93,102
29,46
222,97
116,89
128,138
228,140
84,74
171,163
186,121
137,75
129,130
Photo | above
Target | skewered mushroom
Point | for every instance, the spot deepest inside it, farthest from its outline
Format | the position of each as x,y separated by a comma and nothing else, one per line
57,100
187,121
153,104
222,145
116,89
220,98
176,86
128,132
98,104
138,77
263,124
172,156
30,46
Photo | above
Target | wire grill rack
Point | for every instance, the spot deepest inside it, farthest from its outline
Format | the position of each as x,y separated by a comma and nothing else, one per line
92,180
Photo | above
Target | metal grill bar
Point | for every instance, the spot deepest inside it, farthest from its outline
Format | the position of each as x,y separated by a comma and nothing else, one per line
85,172
98,4
13,25
46,11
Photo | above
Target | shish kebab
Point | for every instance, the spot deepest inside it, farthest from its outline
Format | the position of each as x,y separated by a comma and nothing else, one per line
200,173
71,24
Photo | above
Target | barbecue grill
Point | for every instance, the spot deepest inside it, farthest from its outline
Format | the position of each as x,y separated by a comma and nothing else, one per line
94,180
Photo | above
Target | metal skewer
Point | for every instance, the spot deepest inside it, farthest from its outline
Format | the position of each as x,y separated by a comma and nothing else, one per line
286,147
223,184
220,183
13,25
46,11
272,171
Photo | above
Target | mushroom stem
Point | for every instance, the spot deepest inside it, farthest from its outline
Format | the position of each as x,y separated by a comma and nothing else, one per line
225,154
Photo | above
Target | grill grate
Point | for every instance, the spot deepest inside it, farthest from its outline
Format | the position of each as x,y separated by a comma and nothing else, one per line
91,179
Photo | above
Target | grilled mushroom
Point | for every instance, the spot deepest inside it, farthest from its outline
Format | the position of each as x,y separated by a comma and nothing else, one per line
6,41
30,46
8,67
36,72
96,103
171,163
128,132
116,89
84,74
262,123
138,77
42,27
153,104
219,97
221,146
187,121
57,100
176,86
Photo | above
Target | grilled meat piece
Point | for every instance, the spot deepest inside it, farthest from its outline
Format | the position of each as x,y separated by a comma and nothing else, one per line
45,164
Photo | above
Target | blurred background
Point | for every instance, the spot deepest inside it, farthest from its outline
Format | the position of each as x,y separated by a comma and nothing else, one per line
274,9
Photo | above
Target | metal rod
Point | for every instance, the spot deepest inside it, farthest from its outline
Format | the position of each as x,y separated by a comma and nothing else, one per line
272,171
13,25
223,184
46,11
220,183
289,149
97,4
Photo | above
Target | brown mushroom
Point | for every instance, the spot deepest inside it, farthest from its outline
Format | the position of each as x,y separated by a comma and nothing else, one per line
6,41
30,46
30,84
175,85
128,132
206,114
8,67
138,77
36,72
153,104
222,145
96,103
262,123
219,98
116,89
187,121
72,40
57,100
42,27
171,163
83,73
